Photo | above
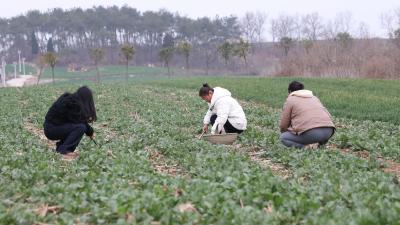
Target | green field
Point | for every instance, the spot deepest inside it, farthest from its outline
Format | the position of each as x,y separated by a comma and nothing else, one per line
351,98
29,70
105,71
149,162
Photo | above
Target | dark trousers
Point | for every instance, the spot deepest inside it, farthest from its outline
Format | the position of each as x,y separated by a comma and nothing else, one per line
319,135
68,135
227,126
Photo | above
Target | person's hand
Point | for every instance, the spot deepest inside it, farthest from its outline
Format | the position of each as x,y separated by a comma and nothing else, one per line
205,128
93,136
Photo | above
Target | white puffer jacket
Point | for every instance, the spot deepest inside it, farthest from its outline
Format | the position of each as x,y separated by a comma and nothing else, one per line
226,108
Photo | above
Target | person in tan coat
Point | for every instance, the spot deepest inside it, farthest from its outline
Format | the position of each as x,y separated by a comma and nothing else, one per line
304,120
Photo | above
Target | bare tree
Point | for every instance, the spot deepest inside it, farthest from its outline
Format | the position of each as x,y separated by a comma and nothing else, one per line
390,21
252,25
185,48
261,18
226,51
248,26
387,20
274,29
40,61
241,50
312,26
297,27
285,26
51,59
286,43
343,22
97,55
166,55
127,53
363,31
210,53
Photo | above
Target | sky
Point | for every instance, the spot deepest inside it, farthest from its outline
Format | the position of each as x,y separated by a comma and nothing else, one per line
367,11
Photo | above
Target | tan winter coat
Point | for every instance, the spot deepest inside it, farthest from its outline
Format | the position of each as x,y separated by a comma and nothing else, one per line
303,111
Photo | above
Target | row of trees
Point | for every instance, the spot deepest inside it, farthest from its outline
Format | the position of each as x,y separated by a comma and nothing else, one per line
50,58
311,47
227,49
231,43
101,27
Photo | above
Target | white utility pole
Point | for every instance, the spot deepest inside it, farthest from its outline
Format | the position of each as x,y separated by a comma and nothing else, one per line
19,61
3,71
15,69
23,65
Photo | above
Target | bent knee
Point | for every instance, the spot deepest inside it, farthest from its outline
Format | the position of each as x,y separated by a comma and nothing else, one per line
81,127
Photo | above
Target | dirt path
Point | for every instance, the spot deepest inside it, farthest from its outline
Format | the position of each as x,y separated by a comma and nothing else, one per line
161,164
29,126
388,166
255,154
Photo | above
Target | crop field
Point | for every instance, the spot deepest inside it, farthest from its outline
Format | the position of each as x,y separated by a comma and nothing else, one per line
150,167
63,73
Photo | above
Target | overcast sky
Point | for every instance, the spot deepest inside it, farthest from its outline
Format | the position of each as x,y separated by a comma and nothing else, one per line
367,11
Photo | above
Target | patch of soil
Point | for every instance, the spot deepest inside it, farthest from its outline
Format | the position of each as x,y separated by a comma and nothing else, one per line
29,126
388,166
255,155
161,165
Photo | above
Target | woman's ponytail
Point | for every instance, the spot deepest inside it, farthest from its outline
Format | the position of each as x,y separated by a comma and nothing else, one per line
205,89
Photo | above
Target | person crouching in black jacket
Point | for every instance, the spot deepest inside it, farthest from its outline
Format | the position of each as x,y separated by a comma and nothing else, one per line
68,120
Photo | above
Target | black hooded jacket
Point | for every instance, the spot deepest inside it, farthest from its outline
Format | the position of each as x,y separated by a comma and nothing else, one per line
68,109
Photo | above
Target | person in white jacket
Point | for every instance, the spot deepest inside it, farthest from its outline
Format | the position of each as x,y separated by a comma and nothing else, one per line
224,112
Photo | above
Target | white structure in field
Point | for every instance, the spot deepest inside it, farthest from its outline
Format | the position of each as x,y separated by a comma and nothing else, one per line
23,66
3,71
15,70
19,61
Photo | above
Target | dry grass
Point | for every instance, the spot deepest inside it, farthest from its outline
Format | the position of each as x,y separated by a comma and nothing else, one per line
162,166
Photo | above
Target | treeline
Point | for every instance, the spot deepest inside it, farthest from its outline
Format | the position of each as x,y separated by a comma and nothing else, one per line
307,45
99,27
313,46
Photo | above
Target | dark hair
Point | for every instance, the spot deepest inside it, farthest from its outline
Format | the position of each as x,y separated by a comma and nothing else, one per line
205,90
86,97
295,86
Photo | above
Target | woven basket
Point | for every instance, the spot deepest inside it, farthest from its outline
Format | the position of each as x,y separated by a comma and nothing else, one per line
223,139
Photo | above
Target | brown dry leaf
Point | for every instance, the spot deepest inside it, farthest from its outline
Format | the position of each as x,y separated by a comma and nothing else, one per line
43,210
186,207
28,200
129,218
136,115
155,223
165,188
110,153
269,208
54,209
78,222
154,155
70,158
312,146
178,192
